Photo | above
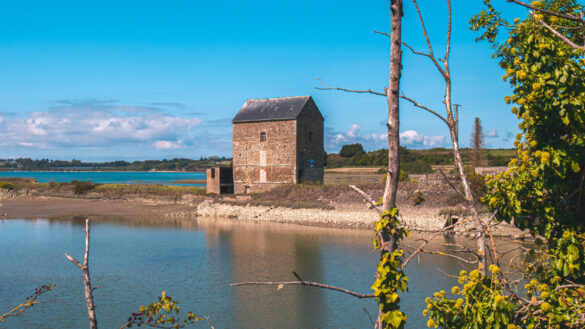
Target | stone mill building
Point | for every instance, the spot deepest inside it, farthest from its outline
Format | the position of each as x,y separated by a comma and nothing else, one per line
277,141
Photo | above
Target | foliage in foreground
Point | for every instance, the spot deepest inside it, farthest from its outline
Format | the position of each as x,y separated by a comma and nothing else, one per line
29,302
543,189
163,313
390,279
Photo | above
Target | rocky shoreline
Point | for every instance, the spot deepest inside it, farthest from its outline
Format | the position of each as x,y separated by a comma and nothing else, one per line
419,219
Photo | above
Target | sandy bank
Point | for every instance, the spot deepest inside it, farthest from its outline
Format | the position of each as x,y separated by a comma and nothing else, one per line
358,215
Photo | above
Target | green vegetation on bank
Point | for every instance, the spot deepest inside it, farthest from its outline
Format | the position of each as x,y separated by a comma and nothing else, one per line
411,161
176,164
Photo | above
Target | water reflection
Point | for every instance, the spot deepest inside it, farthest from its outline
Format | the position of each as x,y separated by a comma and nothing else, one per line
194,260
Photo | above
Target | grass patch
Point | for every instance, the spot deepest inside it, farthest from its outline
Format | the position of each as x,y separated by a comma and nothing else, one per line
167,190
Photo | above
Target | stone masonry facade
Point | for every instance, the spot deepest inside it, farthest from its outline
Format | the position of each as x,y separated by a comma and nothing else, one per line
270,153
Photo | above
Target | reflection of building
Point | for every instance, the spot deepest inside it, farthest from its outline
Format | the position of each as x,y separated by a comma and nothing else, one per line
277,141
252,252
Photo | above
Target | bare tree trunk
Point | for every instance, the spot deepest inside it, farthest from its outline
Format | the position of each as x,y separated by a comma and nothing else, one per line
86,279
393,97
479,226
388,240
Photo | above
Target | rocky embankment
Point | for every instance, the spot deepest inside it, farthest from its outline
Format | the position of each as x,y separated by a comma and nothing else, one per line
423,219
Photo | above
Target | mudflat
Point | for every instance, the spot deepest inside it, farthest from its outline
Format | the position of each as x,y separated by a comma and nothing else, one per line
48,207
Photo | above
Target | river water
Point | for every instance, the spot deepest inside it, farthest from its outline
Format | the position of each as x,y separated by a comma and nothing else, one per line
110,177
194,261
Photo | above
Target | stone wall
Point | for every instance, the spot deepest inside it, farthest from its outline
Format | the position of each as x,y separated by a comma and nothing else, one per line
213,181
261,165
310,145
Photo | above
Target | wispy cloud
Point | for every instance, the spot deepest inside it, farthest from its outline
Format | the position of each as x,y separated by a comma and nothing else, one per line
218,122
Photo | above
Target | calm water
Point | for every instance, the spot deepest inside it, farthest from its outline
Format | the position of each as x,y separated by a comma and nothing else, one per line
132,262
108,177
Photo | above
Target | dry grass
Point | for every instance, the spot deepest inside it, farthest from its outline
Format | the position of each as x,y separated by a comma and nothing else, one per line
306,196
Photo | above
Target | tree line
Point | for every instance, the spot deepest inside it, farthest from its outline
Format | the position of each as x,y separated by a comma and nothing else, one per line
417,161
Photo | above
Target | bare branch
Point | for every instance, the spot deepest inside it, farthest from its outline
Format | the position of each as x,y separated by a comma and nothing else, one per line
367,197
489,231
569,17
450,255
383,33
429,240
447,274
446,179
86,279
414,51
574,285
303,283
369,91
74,261
559,35
431,55
424,108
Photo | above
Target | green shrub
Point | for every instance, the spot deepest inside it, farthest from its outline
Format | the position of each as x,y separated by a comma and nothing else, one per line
6,186
418,198
403,177
349,150
82,187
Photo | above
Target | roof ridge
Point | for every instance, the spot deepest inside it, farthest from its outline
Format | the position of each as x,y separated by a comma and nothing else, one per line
282,97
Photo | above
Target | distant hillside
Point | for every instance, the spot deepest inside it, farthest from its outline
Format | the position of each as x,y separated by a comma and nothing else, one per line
412,161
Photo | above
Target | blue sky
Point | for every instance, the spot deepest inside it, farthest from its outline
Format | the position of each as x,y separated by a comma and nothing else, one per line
102,80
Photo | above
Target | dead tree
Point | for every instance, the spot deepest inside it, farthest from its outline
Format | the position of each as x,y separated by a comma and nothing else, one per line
477,143
86,279
451,120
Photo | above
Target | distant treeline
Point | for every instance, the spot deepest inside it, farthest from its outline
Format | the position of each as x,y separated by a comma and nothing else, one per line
412,161
148,165
351,155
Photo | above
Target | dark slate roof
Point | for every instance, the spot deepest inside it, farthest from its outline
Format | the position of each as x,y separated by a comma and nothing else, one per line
271,109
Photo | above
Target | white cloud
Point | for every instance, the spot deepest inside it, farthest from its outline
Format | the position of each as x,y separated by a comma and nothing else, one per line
492,133
96,124
374,141
371,141
414,139
167,145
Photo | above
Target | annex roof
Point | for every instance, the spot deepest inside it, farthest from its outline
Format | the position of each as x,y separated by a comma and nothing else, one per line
271,109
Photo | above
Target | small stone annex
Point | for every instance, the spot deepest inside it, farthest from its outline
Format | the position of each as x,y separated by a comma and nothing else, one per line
277,141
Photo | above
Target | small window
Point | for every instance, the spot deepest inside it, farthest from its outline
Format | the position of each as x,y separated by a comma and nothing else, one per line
212,172
263,137
310,136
